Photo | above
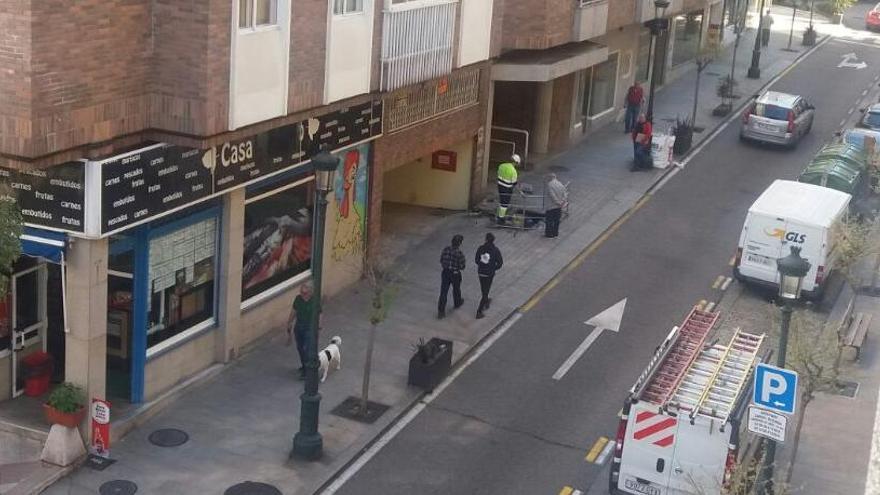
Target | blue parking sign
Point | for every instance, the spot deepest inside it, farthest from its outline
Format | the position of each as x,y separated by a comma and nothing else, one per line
775,388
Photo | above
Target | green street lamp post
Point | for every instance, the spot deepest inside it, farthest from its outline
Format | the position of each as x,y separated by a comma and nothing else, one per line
754,68
307,443
792,270
656,25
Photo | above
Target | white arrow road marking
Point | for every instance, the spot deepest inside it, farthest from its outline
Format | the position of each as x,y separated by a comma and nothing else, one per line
848,62
606,320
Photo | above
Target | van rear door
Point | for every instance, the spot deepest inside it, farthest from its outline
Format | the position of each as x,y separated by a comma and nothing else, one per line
699,457
647,451
762,245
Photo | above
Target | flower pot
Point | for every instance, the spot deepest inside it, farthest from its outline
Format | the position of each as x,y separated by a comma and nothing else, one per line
683,141
428,374
809,38
70,420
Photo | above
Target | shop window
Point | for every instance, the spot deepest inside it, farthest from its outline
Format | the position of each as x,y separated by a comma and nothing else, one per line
277,237
600,84
256,13
181,279
342,7
688,33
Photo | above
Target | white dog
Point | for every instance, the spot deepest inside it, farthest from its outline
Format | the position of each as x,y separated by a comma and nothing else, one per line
331,354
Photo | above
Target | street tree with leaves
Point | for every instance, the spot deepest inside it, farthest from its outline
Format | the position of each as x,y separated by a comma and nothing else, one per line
383,287
10,244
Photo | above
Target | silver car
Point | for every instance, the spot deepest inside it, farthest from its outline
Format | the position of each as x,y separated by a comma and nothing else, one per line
777,118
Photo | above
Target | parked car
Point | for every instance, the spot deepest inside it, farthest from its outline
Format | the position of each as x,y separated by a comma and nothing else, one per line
777,118
872,19
871,118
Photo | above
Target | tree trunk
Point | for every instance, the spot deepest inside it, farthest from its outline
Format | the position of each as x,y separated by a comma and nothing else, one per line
368,365
795,442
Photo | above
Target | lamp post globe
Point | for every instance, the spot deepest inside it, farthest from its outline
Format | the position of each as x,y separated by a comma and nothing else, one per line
792,270
325,169
661,4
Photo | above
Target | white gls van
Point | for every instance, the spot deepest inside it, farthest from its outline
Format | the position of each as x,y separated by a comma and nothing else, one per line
791,214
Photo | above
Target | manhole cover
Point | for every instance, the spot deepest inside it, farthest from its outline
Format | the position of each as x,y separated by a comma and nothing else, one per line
558,168
847,389
169,437
252,488
118,487
350,408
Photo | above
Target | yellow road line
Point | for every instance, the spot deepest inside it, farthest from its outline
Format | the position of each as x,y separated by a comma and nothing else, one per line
596,450
576,262
718,281
566,490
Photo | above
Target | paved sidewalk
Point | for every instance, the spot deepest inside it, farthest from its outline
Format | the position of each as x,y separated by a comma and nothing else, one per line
241,422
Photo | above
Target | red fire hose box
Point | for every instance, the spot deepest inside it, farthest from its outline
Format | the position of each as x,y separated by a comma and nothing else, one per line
37,372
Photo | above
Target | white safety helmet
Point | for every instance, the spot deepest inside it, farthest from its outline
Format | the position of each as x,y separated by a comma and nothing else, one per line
516,159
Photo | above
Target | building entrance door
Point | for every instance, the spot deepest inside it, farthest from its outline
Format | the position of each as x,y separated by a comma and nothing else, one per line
29,320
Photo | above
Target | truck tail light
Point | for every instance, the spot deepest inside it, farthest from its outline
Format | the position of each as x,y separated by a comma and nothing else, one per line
820,275
748,113
729,465
791,121
739,255
621,436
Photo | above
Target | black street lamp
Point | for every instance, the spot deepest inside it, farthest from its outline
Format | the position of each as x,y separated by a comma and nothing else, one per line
754,69
656,25
792,270
307,443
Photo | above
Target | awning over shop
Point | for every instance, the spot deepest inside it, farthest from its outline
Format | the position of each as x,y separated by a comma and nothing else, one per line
43,244
547,65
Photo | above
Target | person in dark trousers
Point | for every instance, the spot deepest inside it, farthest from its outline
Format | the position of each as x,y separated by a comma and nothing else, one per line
642,134
299,324
489,260
556,198
635,96
452,263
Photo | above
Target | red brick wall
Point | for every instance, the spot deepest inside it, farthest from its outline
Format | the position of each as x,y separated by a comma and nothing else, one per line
308,46
537,24
15,59
621,13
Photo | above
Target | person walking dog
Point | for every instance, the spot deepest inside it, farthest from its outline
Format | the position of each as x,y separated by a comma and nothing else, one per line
489,260
451,263
299,322
557,198
635,96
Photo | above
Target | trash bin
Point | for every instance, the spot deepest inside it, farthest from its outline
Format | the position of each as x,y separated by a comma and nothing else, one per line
37,372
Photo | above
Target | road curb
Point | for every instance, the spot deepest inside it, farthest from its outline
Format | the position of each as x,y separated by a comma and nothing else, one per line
551,282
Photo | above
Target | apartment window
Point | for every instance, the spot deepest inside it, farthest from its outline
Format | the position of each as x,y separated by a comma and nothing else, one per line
256,13
342,7
600,84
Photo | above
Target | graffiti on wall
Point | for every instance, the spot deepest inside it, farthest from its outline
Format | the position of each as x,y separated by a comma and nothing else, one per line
350,192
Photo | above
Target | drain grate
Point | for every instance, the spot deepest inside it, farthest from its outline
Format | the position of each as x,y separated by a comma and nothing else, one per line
168,437
350,408
252,488
847,388
118,487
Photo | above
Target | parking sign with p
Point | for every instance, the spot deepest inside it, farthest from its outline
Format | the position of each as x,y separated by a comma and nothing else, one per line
775,388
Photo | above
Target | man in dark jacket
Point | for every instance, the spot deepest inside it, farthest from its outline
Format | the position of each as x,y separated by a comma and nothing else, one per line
488,260
451,264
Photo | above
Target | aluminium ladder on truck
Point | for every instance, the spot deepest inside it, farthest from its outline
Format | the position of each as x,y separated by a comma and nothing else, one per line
673,358
714,380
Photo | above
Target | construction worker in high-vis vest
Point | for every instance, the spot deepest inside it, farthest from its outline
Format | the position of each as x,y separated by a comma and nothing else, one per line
506,182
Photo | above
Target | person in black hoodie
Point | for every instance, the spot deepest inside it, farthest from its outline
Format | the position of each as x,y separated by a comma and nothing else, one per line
488,260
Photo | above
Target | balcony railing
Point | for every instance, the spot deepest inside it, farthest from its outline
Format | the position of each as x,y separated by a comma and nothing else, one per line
417,43
590,19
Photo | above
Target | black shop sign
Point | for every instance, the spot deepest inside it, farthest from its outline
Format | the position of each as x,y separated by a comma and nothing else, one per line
53,197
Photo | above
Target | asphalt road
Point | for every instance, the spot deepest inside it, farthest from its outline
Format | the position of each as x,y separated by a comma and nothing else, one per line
504,426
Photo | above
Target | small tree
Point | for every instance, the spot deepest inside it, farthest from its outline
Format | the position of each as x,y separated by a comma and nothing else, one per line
10,244
854,242
383,287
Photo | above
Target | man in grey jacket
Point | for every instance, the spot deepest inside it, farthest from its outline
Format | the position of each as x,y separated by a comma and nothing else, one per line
555,199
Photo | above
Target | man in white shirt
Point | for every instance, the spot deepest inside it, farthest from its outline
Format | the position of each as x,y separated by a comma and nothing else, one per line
555,199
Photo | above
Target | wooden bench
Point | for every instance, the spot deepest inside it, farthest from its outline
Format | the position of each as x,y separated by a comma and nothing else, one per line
853,330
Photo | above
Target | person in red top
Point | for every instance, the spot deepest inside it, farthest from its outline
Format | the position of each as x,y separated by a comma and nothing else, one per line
634,98
641,135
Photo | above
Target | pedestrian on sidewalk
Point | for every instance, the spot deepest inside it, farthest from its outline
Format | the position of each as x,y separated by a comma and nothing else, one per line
452,263
635,96
641,135
766,26
554,201
507,177
299,324
489,260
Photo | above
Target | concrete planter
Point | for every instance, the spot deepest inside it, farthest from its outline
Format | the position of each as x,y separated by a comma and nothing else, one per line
426,372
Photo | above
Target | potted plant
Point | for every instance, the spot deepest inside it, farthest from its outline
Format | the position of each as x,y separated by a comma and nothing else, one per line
725,89
684,135
430,364
809,36
66,405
